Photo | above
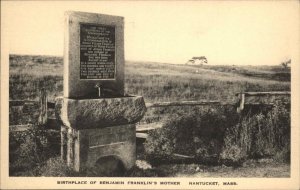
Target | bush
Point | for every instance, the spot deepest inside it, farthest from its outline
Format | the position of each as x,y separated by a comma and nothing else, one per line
197,133
260,135
30,149
219,135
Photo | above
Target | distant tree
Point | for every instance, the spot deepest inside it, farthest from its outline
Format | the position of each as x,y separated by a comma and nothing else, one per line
197,60
285,64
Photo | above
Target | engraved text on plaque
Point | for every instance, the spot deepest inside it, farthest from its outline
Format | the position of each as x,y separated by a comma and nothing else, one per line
97,51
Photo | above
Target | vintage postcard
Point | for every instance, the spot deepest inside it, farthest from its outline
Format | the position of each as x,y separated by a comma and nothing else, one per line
150,94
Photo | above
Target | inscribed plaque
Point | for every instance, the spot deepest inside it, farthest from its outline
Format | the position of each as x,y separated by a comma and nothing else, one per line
97,51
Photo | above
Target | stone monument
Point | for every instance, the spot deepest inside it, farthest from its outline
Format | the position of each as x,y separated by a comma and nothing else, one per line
97,120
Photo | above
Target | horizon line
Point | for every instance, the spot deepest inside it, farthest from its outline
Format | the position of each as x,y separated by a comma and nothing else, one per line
145,61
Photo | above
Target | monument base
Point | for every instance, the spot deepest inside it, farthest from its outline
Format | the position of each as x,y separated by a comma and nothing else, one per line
105,150
99,113
99,133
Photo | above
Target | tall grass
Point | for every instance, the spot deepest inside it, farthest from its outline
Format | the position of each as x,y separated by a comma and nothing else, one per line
264,134
27,86
220,135
197,132
28,74
171,88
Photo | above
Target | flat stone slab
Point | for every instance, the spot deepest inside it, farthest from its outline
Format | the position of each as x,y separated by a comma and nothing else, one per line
99,113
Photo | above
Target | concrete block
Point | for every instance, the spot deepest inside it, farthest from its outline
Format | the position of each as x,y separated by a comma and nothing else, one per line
96,148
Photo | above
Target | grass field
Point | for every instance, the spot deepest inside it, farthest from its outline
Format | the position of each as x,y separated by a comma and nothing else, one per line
155,82
166,82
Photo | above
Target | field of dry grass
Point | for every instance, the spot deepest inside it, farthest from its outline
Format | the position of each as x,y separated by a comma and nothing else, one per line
154,81
167,82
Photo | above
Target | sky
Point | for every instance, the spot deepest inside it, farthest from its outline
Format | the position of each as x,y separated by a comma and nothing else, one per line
226,32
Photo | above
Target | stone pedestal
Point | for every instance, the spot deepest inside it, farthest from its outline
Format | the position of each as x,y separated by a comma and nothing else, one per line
84,149
98,131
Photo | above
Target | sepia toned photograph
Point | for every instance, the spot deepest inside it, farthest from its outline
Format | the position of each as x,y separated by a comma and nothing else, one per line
150,94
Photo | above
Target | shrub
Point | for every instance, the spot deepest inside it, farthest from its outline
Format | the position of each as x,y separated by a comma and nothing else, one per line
30,149
197,133
158,145
219,134
260,135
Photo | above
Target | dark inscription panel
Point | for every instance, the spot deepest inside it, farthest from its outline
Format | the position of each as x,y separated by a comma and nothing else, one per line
97,51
